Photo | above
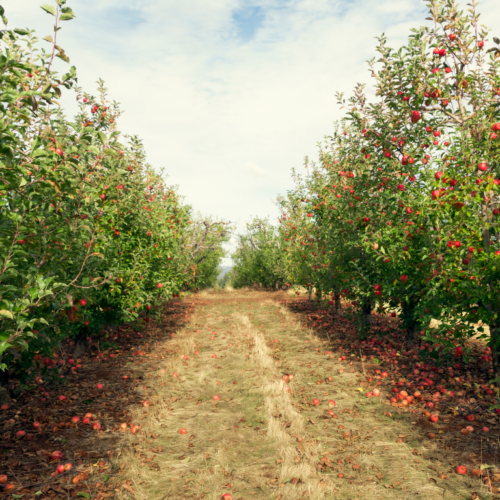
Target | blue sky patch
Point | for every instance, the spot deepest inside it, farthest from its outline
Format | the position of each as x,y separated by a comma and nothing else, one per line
247,21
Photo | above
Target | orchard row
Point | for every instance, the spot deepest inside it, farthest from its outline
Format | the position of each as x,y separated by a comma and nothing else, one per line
90,235
402,212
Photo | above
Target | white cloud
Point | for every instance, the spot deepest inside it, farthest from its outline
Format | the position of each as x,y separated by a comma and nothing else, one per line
213,106
255,169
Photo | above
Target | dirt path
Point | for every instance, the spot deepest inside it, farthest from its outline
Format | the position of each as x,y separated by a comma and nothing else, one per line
252,435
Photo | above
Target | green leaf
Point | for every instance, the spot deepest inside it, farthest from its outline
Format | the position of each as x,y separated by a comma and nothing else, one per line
39,152
82,494
6,314
21,32
63,56
102,137
67,14
48,8
4,19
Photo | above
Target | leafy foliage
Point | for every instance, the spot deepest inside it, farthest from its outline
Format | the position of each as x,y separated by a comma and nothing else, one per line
90,234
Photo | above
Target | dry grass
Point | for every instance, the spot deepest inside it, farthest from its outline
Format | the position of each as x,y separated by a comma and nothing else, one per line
286,447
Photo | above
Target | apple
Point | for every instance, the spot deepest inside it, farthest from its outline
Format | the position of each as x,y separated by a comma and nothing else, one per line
3,478
20,434
331,402
461,469
75,420
60,469
56,455
62,398
486,429
99,386
36,425
182,431
376,392
369,394
316,402
434,418
470,418
96,426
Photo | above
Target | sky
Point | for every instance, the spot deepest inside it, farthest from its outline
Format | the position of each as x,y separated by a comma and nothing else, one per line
227,95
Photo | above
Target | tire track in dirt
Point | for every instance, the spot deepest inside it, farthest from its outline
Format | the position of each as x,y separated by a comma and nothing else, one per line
296,451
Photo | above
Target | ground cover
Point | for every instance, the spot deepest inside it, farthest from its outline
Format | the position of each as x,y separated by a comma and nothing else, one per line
238,393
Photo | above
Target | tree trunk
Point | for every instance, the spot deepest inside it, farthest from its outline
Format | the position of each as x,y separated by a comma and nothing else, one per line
310,294
4,388
81,344
338,304
495,352
364,320
410,322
